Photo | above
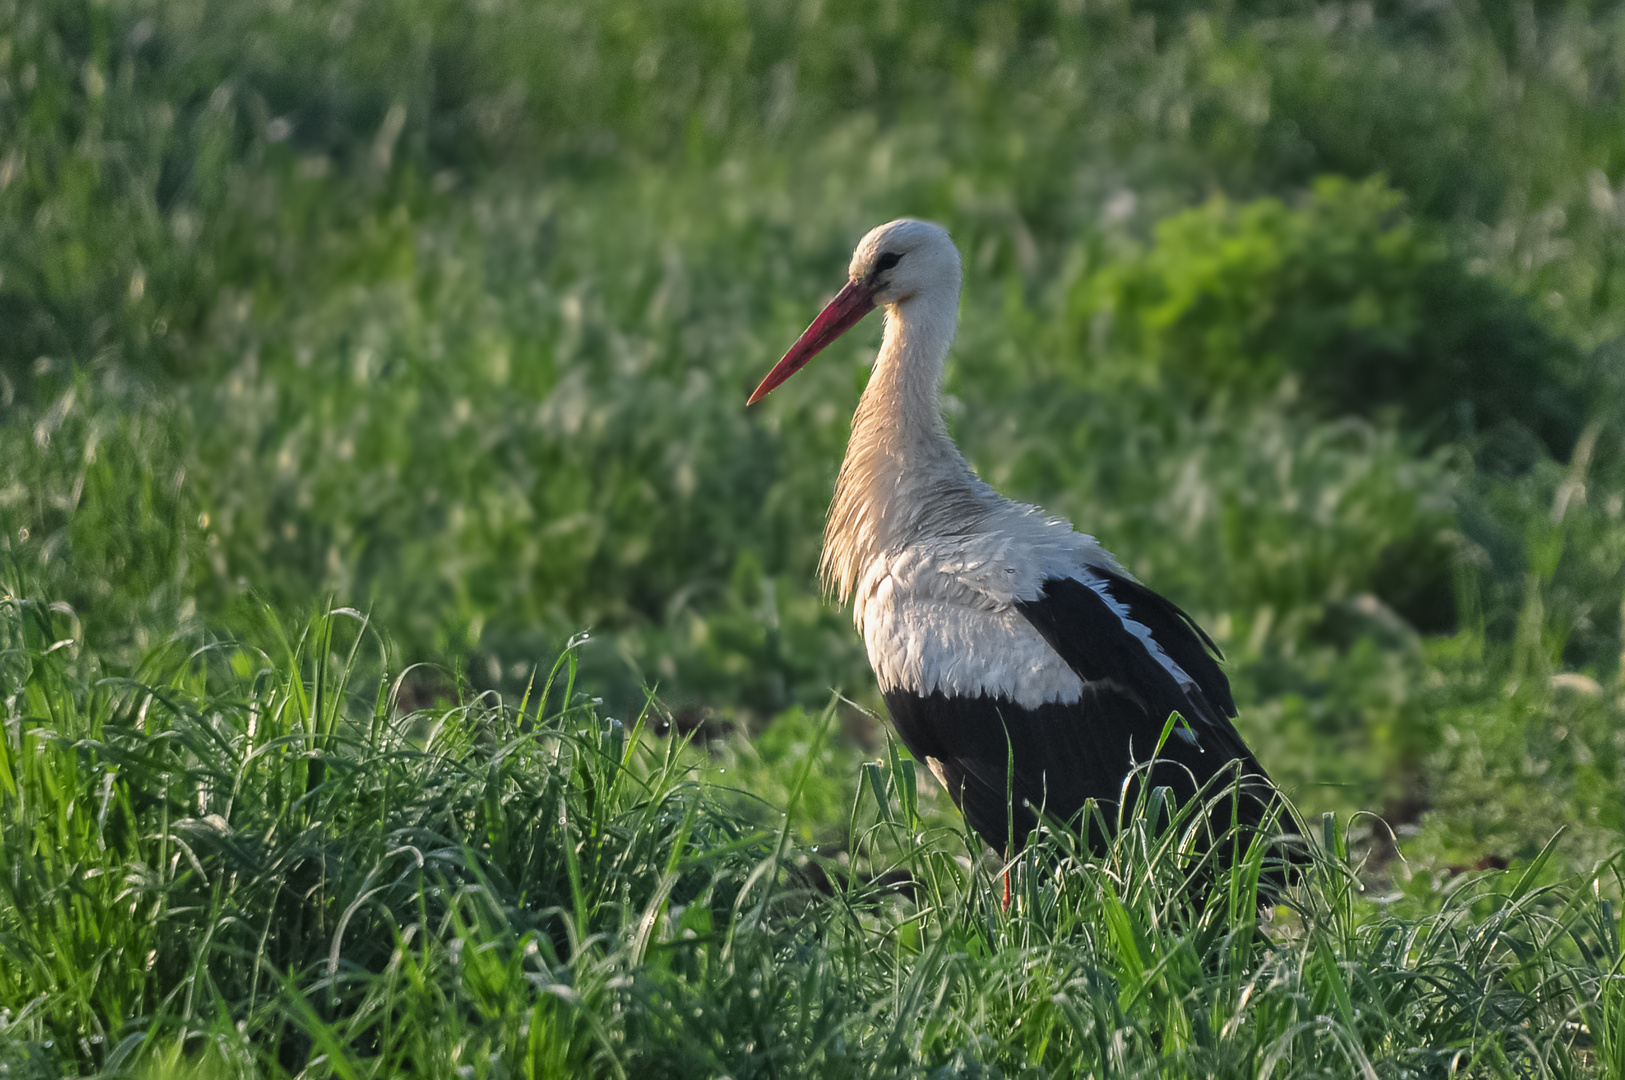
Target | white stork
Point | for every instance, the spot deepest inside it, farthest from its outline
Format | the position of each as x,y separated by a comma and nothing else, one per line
1004,642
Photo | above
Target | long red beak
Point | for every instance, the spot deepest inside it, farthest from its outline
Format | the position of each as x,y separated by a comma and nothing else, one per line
839,315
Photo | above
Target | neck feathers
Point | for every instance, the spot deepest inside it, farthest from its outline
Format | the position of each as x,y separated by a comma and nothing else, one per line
903,478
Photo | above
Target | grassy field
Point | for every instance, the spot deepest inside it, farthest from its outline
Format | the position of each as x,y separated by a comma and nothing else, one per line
233,863
361,359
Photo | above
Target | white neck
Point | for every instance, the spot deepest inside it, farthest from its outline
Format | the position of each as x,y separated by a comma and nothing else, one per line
903,478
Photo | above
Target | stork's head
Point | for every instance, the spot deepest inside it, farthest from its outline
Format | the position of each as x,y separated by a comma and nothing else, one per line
895,263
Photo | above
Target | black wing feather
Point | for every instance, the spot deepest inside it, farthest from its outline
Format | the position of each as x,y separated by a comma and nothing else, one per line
1060,755
1178,635
1080,625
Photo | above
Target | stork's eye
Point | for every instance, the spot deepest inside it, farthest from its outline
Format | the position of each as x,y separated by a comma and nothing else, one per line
887,261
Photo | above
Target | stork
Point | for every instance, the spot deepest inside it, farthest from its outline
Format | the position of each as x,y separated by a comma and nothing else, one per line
1005,643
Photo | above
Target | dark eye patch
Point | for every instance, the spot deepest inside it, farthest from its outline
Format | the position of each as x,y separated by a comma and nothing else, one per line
887,261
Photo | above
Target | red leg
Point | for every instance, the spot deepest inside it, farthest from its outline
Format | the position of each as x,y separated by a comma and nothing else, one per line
1007,888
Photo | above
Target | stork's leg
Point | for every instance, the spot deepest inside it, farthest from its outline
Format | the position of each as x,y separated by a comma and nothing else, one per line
1007,879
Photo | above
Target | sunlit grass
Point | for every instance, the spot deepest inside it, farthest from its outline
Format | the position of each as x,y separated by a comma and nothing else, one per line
251,864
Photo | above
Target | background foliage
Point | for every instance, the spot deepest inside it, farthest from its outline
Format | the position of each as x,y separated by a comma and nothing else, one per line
447,311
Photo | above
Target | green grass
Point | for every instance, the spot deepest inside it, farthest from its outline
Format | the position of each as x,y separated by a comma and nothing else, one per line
462,341
446,314
265,865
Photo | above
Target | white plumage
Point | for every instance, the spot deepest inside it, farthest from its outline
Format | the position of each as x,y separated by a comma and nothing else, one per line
932,558
993,629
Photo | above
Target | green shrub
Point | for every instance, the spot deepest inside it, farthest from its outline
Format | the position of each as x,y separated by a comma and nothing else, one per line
1364,308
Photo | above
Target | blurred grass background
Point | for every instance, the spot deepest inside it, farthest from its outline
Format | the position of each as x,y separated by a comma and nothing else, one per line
448,310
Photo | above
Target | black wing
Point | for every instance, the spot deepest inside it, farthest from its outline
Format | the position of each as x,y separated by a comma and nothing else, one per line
1092,638
1081,626
1059,755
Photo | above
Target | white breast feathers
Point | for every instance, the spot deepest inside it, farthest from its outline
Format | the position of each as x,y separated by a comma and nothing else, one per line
939,615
